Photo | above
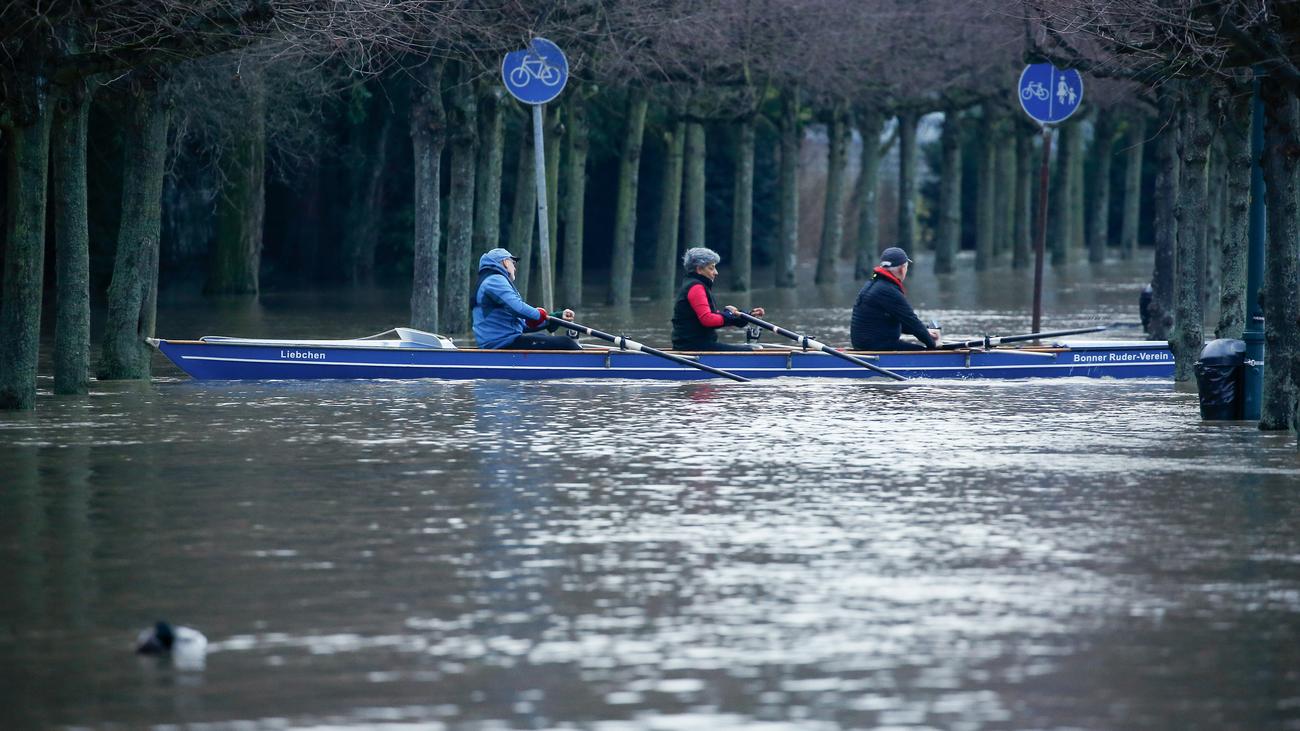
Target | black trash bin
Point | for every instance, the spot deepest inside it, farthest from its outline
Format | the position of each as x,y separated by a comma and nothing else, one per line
1219,374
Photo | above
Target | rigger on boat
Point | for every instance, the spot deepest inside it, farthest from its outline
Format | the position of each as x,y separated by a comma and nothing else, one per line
403,353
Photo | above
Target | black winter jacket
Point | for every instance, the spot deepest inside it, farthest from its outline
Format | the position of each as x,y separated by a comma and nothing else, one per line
882,314
688,332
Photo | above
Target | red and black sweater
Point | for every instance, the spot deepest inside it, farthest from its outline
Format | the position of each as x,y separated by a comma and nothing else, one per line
696,317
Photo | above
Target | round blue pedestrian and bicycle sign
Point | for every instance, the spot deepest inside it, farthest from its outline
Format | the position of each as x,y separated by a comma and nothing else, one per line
537,74
1048,94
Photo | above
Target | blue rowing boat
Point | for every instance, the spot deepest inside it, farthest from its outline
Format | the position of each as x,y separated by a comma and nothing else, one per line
404,353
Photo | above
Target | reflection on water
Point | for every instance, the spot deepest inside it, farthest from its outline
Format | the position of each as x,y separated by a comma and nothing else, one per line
484,555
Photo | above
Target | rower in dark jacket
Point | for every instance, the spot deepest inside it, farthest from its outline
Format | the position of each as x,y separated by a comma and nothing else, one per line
696,317
882,313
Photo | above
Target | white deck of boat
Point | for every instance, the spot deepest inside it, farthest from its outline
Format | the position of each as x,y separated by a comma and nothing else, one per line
402,337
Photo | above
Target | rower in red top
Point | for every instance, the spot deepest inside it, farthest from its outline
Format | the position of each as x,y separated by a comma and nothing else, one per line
696,317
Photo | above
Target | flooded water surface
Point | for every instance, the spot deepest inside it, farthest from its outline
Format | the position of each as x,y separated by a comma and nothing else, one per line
1076,554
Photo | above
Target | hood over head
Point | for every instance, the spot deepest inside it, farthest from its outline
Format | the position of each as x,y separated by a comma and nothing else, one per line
494,259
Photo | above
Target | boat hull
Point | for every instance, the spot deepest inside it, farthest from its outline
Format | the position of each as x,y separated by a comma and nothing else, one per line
227,361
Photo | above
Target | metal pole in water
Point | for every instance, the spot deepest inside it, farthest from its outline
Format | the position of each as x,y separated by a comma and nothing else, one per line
1254,332
1040,240
543,221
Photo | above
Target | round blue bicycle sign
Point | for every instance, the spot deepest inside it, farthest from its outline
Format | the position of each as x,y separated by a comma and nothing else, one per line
536,74
1048,94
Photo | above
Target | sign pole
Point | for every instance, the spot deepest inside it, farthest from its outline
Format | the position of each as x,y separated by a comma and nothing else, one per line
536,75
1048,95
1040,237
543,217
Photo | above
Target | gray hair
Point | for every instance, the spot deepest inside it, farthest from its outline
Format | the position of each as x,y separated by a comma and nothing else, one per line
699,256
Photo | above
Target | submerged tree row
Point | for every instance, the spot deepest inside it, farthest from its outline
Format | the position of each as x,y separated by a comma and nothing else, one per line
284,127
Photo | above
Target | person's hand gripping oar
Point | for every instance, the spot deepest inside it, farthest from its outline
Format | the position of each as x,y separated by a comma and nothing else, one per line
809,343
628,344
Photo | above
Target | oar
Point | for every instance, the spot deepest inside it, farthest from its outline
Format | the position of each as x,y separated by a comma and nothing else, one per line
1017,352
987,342
627,344
808,342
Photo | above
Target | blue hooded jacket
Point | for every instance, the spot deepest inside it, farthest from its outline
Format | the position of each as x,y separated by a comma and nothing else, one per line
499,311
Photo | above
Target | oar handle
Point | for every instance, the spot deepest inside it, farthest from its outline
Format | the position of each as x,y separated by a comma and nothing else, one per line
808,342
959,345
628,344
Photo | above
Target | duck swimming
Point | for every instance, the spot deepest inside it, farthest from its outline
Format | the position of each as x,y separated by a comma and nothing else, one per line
165,639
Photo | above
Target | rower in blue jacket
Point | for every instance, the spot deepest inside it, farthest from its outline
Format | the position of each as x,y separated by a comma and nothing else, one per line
502,320
882,314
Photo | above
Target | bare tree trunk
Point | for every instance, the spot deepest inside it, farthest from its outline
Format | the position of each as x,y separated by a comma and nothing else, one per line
1234,254
1061,206
236,255
428,136
72,242
833,213
24,262
948,241
670,207
1078,199
492,143
487,176
305,239
523,216
1215,186
523,243
132,295
742,209
575,200
1189,323
361,224
1020,245
1006,193
1281,163
696,153
907,180
462,121
788,240
985,205
620,275
1165,210
1103,140
1135,141
868,245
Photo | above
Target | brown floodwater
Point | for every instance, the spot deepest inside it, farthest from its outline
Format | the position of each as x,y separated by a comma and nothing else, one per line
1073,554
